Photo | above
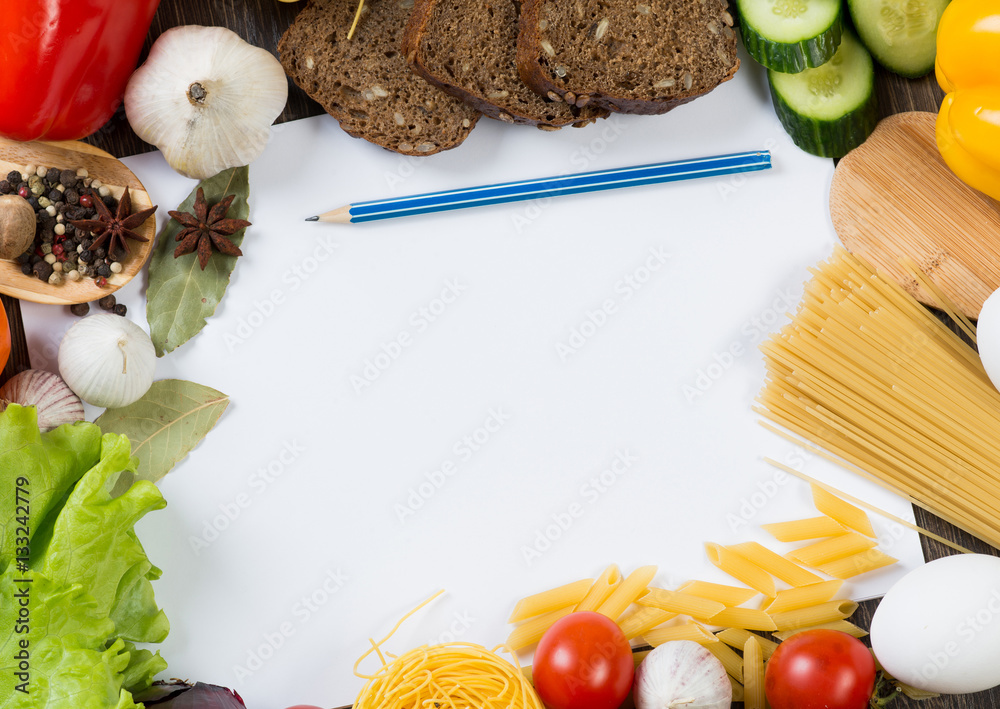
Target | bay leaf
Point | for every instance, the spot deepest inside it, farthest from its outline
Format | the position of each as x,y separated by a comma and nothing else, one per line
181,296
165,424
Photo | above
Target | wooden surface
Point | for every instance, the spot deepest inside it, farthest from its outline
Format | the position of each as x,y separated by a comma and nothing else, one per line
261,22
111,172
949,229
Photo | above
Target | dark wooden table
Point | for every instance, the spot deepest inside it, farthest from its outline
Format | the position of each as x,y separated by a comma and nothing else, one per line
262,22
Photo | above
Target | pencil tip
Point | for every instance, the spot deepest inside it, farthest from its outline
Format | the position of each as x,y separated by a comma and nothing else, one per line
312,219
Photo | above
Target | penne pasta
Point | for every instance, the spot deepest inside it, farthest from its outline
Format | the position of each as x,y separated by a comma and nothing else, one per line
856,564
800,530
684,631
739,567
531,631
552,600
753,675
831,549
737,638
844,626
726,595
601,589
745,618
737,689
644,620
680,602
730,660
627,592
802,596
814,615
776,565
842,511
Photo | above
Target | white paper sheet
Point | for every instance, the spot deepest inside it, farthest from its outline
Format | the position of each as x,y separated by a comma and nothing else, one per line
493,402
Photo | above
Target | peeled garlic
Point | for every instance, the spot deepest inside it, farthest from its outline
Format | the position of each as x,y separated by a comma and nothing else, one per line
107,360
681,674
206,99
56,404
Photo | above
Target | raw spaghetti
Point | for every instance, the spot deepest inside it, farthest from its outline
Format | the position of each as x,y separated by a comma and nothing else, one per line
867,373
454,675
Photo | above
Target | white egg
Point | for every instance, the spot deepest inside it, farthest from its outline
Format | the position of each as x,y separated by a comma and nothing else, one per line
988,337
938,628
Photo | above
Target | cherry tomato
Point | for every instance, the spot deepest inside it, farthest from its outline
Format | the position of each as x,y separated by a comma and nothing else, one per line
4,337
583,661
820,669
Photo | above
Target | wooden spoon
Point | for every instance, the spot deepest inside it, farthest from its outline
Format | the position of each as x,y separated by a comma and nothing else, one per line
895,197
73,155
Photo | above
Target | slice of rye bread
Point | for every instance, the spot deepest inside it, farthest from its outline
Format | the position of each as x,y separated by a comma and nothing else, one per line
631,56
365,82
468,49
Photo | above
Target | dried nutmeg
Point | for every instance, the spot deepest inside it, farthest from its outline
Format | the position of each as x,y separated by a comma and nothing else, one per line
17,225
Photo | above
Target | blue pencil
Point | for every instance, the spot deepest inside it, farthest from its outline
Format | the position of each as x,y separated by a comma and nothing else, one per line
546,187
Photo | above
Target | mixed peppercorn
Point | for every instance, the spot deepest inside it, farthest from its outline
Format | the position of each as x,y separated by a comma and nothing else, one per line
62,251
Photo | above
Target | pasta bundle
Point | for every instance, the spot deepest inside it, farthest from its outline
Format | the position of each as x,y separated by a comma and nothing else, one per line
868,374
455,675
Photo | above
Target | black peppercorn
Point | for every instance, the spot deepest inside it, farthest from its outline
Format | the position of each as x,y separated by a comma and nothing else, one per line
86,256
67,178
71,196
120,309
107,302
14,177
33,201
52,175
69,245
104,270
80,309
26,268
110,202
42,269
5,187
54,195
101,252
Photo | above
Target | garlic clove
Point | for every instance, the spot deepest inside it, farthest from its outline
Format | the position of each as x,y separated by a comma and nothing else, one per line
48,393
684,675
107,360
206,99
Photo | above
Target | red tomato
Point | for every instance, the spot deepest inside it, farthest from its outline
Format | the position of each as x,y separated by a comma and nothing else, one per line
820,669
583,661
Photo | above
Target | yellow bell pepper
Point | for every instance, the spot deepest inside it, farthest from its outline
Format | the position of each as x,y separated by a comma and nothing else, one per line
968,69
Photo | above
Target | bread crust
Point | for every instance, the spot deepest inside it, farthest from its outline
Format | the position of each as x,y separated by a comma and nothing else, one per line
539,73
413,49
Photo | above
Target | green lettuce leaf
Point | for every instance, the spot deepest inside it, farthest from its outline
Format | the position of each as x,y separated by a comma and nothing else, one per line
52,461
70,615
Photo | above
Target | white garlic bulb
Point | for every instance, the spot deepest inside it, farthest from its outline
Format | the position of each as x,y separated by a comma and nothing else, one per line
54,402
681,674
206,99
107,360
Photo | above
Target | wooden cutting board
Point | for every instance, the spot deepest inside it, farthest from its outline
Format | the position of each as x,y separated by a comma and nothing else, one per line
894,196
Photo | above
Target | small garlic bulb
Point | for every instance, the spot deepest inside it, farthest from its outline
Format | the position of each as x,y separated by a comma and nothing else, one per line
206,99
681,674
107,360
47,392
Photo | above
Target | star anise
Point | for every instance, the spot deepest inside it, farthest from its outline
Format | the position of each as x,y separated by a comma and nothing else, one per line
207,228
114,228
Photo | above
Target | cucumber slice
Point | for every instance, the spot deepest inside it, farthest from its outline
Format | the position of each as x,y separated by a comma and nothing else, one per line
829,110
790,35
900,34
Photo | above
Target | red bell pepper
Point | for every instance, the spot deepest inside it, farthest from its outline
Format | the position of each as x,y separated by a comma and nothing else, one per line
64,64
